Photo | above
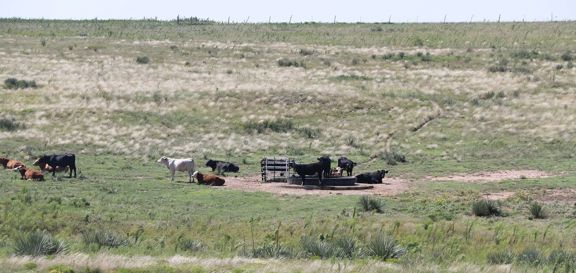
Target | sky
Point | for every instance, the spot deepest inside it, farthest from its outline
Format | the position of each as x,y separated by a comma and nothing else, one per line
297,10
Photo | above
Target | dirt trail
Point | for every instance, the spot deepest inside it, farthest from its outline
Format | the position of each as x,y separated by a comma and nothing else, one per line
493,176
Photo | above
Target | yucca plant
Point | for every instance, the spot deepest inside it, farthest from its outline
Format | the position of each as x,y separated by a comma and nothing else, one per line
346,247
371,204
530,256
500,257
316,247
485,208
271,250
190,245
38,243
537,211
384,247
104,238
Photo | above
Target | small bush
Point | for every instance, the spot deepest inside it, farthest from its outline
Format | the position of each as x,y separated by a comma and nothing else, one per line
13,83
525,54
486,208
370,204
560,256
306,52
346,247
308,132
271,250
501,257
190,245
284,62
530,256
537,211
104,238
393,157
567,56
384,248
142,60
38,244
316,248
278,126
10,124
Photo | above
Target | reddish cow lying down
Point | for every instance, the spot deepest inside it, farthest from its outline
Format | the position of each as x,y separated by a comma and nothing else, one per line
10,163
29,174
208,179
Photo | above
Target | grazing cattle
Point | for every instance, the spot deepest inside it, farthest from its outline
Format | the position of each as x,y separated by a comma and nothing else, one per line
346,164
178,164
29,174
322,168
10,163
58,161
208,179
371,178
222,166
47,168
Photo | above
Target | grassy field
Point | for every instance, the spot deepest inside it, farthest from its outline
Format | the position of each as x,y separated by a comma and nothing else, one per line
449,98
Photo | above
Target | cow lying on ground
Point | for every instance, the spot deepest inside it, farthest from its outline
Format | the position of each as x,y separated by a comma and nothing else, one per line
10,163
208,179
178,164
29,174
322,168
47,168
371,178
222,166
58,161
346,164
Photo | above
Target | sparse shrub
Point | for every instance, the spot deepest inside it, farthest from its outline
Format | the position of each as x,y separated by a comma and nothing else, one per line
418,42
278,126
500,66
486,208
537,211
384,247
316,247
500,257
370,204
567,56
43,42
103,238
346,247
10,124
524,54
80,203
393,157
306,52
271,250
355,61
426,57
487,95
401,55
560,256
569,65
190,245
284,62
308,132
142,59
12,83
376,29
530,256
38,244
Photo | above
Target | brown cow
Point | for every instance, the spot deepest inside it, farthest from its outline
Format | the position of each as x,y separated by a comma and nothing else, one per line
208,179
10,163
29,174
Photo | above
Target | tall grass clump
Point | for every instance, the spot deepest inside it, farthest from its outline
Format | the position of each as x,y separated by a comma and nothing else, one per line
384,247
486,208
102,238
190,245
371,204
271,250
530,256
537,211
285,62
13,83
10,124
278,126
392,157
38,243
567,56
500,257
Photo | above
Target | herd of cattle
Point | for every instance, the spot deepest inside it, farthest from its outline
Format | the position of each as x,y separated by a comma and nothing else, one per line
67,163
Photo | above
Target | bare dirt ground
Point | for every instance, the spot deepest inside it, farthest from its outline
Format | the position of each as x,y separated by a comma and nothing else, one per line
390,186
493,176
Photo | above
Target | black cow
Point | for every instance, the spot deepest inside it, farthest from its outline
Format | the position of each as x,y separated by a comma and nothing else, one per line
54,161
222,166
371,178
322,168
346,164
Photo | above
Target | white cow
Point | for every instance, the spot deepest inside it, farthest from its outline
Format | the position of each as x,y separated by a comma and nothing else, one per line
178,164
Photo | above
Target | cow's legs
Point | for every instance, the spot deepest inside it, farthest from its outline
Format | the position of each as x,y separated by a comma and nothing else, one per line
172,173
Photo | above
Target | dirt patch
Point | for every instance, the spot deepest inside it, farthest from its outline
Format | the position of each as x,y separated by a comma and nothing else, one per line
557,195
493,176
499,195
391,186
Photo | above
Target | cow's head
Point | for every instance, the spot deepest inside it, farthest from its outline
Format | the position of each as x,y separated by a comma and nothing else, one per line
4,161
382,173
41,161
211,163
163,159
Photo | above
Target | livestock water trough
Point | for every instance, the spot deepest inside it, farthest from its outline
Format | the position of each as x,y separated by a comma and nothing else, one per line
331,183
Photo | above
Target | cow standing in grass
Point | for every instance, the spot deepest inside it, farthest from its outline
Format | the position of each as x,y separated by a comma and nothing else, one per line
178,164
58,162
345,164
